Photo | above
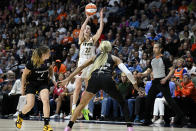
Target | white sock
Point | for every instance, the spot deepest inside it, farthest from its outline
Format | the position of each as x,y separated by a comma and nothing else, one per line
86,107
90,114
73,106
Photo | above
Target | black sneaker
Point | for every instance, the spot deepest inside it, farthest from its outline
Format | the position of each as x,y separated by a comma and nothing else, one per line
102,118
147,123
180,121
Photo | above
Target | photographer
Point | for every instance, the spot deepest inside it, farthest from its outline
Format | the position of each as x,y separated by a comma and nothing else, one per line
186,96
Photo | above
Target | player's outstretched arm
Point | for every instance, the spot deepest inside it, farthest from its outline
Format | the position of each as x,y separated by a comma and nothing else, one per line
124,69
77,70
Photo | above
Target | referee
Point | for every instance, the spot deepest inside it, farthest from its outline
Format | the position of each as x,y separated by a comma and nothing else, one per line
162,70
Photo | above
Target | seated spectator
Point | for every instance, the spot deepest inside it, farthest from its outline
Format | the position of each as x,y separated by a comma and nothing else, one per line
134,22
143,61
144,22
193,75
11,94
134,66
68,95
100,98
59,67
183,8
68,39
186,97
140,102
179,71
76,33
128,92
58,90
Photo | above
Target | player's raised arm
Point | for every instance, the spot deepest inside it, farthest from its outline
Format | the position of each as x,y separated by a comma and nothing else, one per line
81,34
77,70
99,31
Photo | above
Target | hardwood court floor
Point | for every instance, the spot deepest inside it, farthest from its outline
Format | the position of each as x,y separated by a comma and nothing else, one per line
29,125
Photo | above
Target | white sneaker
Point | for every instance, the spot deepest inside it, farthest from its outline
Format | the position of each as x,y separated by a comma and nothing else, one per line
153,120
159,121
61,115
67,117
54,116
172,120
16,114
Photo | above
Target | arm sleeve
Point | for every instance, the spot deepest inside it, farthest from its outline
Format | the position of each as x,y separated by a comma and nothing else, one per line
129,75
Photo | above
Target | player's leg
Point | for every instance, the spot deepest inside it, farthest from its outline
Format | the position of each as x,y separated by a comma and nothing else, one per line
87,96
44,95
85,111
29,105
111,89
78,84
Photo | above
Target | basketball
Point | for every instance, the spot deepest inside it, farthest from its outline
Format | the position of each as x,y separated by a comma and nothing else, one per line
90,9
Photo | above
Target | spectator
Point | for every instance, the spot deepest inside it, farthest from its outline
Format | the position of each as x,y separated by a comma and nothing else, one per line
193,75
103,99
144,22
187,93
76,33
183,8
127,91
134,23
59,67
57,97
180,70
8,105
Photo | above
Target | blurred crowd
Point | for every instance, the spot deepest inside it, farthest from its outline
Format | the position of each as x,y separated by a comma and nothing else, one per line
132,26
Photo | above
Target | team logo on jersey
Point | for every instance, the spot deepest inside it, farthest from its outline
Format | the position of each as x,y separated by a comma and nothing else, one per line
88,44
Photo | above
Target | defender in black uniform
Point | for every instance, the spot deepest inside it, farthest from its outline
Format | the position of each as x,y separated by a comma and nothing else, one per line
35,79
100,78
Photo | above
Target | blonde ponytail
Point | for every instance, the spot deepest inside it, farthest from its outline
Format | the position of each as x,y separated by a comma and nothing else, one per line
37,55
105,48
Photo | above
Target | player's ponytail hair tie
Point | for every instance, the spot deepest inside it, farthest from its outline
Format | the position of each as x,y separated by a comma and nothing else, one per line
105,47
37,55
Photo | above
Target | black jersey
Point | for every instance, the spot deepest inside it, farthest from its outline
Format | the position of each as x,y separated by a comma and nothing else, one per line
106,69
38,74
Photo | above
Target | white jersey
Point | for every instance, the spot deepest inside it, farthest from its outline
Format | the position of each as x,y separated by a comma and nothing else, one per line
70,87
87,49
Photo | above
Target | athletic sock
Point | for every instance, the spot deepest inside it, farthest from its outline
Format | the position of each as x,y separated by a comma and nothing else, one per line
86,107
21,115
73,106
70,124
46,121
